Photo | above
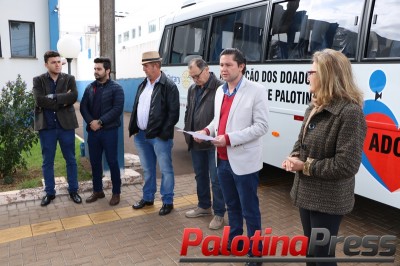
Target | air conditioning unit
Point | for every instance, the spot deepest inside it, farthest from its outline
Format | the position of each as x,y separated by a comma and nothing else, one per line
93,29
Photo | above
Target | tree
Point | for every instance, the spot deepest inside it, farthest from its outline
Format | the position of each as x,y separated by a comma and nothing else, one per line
16,127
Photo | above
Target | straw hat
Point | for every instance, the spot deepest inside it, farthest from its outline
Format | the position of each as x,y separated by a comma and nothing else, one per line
152,56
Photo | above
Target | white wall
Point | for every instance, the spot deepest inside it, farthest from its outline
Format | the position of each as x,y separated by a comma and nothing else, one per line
27,11
129,60
85,66
129,53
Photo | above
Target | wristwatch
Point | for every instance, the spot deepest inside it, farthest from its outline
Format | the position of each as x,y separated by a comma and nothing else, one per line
307,164
100,122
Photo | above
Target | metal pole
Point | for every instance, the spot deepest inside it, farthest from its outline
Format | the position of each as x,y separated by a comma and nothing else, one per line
107,32
69,60
107,49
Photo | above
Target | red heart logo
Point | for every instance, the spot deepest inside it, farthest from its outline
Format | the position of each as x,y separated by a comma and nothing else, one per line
382,150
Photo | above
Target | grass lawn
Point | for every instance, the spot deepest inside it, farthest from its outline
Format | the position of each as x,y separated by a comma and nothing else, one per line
32,177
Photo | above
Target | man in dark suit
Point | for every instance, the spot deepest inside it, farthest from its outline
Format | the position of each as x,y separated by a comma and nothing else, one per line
55,119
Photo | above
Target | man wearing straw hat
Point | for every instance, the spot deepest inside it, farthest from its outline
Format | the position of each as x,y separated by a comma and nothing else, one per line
154,115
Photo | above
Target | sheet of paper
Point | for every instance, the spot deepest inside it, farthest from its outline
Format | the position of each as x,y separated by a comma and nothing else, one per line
197,135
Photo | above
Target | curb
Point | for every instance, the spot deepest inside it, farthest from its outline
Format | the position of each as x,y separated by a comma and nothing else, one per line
129,177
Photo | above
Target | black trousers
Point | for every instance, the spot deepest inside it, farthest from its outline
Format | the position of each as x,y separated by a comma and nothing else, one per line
315,219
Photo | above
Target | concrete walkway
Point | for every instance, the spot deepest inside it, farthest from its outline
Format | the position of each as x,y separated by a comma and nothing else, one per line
129,177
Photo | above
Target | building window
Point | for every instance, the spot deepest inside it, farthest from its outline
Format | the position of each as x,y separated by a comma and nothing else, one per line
189,41
133,33
22,38
241,29
152,26
126,36
140,31
119,38
161,22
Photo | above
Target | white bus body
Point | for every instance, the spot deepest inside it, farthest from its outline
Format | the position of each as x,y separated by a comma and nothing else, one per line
366,32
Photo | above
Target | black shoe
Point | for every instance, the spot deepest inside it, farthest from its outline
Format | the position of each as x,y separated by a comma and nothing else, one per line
75,197
211,249
140,204
47,199
165,209
253,263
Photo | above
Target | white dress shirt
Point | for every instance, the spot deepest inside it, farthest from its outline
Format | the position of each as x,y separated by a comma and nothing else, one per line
143,109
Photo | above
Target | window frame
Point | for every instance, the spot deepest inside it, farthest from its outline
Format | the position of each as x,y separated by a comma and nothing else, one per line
133,31
165,46
305,45
242,18
377,46
31,49
152,26
202,49
126,36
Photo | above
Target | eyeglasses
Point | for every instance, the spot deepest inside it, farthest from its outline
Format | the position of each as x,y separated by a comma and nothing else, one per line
197,76
310,72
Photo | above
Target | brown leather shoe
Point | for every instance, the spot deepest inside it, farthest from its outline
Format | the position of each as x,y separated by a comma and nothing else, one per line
95,196
114,199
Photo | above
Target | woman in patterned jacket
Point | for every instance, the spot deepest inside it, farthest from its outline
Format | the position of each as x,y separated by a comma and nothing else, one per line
327,154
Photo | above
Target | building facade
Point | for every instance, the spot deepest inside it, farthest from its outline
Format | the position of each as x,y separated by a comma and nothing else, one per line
27,31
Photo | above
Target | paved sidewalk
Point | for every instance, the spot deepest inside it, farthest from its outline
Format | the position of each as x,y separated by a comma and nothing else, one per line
119,235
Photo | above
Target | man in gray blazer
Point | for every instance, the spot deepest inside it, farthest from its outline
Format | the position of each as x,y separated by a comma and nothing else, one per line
55,94
240,120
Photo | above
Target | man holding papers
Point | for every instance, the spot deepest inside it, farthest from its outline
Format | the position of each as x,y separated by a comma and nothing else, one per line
199,113
241,119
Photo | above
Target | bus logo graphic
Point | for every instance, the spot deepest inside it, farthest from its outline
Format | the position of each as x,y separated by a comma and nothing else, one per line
186,81
381,151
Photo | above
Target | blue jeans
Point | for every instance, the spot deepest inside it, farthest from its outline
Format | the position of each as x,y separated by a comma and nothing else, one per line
315,219
151,150
104,140
240,194
48,142
205,170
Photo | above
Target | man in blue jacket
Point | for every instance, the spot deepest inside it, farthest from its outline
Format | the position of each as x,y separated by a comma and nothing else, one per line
101,107
155,113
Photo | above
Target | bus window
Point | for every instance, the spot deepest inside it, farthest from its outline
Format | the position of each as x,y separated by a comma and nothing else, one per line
299,28
242,29
164,45
189,40
384,36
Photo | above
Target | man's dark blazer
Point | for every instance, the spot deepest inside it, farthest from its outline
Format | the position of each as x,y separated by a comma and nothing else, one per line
67,95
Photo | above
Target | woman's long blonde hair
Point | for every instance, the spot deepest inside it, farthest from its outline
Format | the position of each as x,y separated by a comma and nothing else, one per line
336,78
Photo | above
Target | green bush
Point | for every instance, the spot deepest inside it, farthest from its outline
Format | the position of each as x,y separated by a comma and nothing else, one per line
16,127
